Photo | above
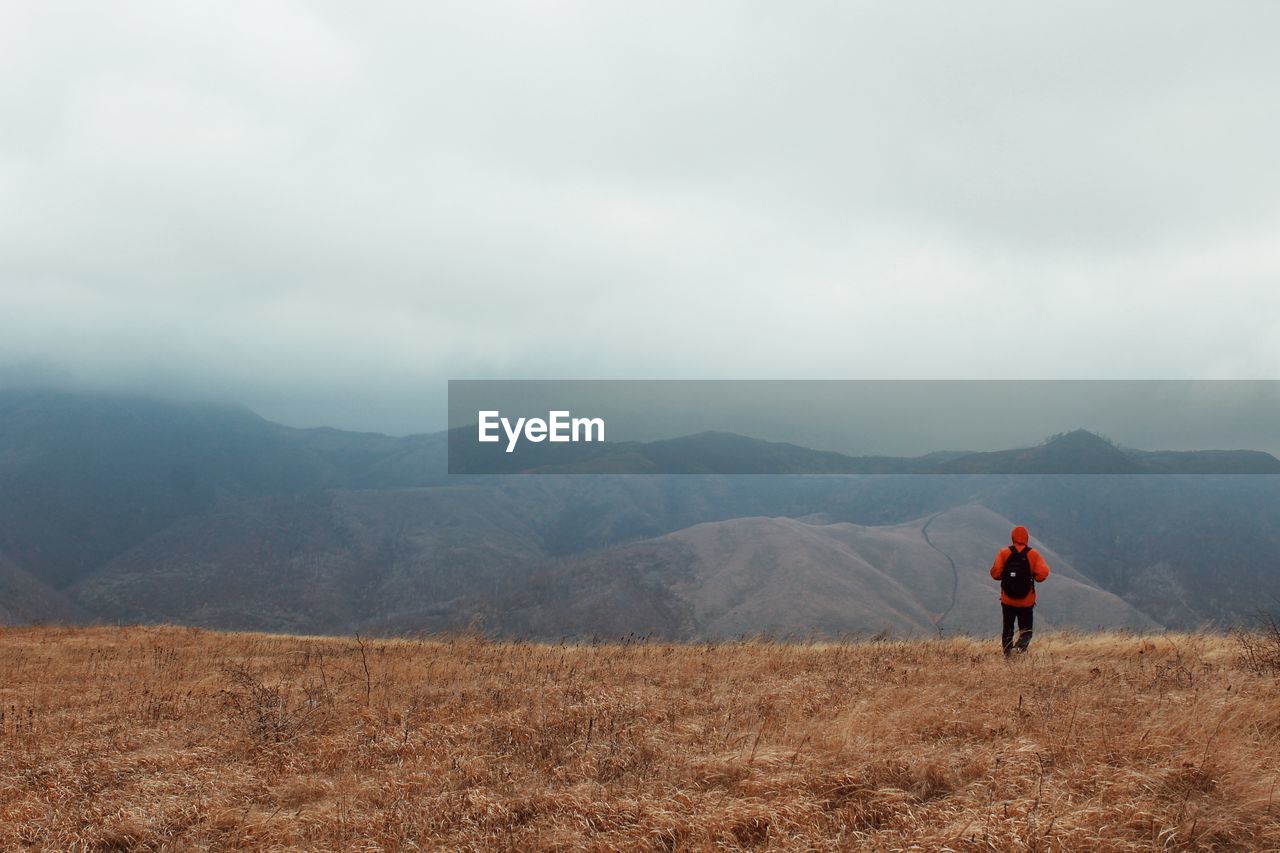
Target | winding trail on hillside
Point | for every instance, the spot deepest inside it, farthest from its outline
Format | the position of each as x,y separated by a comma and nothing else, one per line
955,573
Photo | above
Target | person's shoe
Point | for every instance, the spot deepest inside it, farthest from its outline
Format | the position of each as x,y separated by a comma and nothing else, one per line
1022,650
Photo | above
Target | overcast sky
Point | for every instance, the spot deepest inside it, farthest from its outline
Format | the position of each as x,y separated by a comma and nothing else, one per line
324,211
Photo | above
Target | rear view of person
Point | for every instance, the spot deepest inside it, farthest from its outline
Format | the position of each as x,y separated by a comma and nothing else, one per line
1019,568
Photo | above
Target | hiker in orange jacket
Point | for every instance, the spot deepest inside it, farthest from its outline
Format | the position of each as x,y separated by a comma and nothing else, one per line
1019,567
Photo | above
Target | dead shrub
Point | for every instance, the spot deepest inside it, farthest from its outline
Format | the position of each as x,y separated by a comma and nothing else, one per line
1258,650
270,715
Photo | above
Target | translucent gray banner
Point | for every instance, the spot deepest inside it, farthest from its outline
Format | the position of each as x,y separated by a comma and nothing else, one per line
863,427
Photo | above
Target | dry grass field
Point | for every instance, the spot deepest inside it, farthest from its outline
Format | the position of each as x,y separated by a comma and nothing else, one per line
174,738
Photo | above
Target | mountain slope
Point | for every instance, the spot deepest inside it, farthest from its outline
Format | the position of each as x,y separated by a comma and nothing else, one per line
85,477
326,561
1186,550
972,534
25,600
785,576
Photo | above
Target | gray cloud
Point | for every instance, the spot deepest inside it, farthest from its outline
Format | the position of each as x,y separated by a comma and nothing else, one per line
325,210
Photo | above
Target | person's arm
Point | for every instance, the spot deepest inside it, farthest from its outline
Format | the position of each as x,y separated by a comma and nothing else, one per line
1039,568
997,568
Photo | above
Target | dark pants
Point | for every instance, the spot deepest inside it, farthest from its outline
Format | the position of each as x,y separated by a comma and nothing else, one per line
1023,617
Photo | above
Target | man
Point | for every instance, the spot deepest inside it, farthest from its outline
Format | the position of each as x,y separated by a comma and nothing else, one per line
1019,568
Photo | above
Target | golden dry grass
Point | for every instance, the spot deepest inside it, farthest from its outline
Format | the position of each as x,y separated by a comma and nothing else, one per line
149,738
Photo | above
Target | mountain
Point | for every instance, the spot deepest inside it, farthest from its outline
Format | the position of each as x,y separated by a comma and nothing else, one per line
123,508
1205,461
84,477
1187,550
710,452
1082,452
322,562
1075,452
782,576
428,558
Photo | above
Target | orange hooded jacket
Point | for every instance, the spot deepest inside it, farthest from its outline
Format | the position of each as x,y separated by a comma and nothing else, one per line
1039,568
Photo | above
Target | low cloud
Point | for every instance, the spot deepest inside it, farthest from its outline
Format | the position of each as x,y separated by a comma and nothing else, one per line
323,211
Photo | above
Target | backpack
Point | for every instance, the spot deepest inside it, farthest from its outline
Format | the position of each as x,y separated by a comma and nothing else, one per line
1016,581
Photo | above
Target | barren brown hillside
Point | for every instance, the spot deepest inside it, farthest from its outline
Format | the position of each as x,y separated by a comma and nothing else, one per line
176,738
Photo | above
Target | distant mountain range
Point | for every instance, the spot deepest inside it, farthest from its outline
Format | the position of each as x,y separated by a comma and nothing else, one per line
1075,452
131,509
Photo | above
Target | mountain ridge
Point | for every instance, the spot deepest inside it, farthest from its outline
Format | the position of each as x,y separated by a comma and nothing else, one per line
719,452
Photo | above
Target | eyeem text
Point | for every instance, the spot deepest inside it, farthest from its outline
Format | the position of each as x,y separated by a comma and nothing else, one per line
558,426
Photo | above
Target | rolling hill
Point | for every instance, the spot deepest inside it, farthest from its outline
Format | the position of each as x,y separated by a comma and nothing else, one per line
783,576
